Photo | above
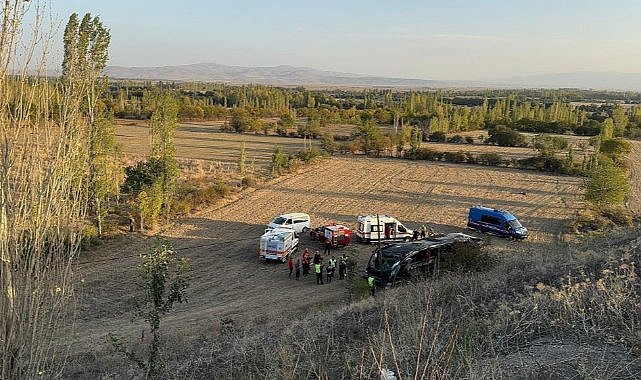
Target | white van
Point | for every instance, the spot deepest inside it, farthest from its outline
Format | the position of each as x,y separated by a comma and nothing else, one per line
297,221
384,227
278,244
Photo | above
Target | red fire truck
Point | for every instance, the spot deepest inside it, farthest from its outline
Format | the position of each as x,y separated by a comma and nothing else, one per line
335,234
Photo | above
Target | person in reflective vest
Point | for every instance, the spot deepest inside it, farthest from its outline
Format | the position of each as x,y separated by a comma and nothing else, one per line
331,267
342,267
318,268
371,282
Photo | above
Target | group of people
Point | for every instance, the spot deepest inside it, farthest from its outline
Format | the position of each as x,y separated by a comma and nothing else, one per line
306,262
423,232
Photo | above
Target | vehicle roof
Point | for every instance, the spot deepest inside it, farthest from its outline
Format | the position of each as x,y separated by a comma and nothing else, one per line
278,232
407,248
293,215
336,227
373,216
486,210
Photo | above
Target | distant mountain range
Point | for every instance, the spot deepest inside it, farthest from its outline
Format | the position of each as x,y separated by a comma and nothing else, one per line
584,80
276,75
299,76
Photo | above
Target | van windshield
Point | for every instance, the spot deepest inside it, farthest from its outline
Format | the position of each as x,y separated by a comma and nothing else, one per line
279,220
514,224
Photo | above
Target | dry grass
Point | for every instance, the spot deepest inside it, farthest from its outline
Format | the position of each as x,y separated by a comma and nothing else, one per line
207,145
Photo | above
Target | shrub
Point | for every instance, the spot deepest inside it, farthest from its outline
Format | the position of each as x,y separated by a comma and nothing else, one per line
458,157
248,181
437,137
606,185
306,155
468,258
544,162
490,159
619,215
456,139
427,154
504,136
550,143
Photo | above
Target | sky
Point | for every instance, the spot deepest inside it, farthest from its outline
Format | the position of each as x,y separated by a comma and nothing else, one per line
443,40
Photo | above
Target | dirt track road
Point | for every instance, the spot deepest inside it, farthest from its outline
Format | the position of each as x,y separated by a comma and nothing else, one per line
229,281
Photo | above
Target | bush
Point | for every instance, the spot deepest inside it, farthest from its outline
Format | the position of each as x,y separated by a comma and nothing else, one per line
437,137
606,185
504,136
458,157
456,139
306,155
248,181
543,162
550,143
490,159
467,258
619,215
427,154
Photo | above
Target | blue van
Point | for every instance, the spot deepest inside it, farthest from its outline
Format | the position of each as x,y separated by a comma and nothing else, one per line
497,222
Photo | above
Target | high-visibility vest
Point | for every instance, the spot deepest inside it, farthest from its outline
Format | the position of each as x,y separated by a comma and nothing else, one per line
317,267
370,281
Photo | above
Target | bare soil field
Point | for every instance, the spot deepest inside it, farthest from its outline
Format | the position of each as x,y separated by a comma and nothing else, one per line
206,142
229,281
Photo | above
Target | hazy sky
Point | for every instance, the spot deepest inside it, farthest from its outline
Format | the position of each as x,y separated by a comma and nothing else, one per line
444,39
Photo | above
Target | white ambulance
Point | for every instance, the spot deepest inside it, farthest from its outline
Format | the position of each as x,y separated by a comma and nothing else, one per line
372,228
278,244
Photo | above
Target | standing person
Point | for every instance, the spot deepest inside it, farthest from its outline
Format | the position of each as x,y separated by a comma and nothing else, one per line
371,283
306,262
297,269
318,268
290,265
423,232
317,258
331,267
415,235
328,247
342,267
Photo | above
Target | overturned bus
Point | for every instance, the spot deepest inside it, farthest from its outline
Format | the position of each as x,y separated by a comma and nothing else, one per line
401,260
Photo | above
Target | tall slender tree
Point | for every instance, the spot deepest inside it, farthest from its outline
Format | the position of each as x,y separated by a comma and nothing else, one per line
163,122
85,56
43,200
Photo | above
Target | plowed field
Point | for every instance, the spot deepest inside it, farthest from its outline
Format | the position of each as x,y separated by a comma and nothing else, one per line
228,281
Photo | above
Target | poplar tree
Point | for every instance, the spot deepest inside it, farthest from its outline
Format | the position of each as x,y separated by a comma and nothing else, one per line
163,123
43,200
85,56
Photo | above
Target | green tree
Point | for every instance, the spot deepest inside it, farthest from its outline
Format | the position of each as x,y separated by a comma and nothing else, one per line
163,281
607,129
85,56
615,149
416,136
163,122
280,161
619,120
242,160
369,136
504,136
327,143
607,184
